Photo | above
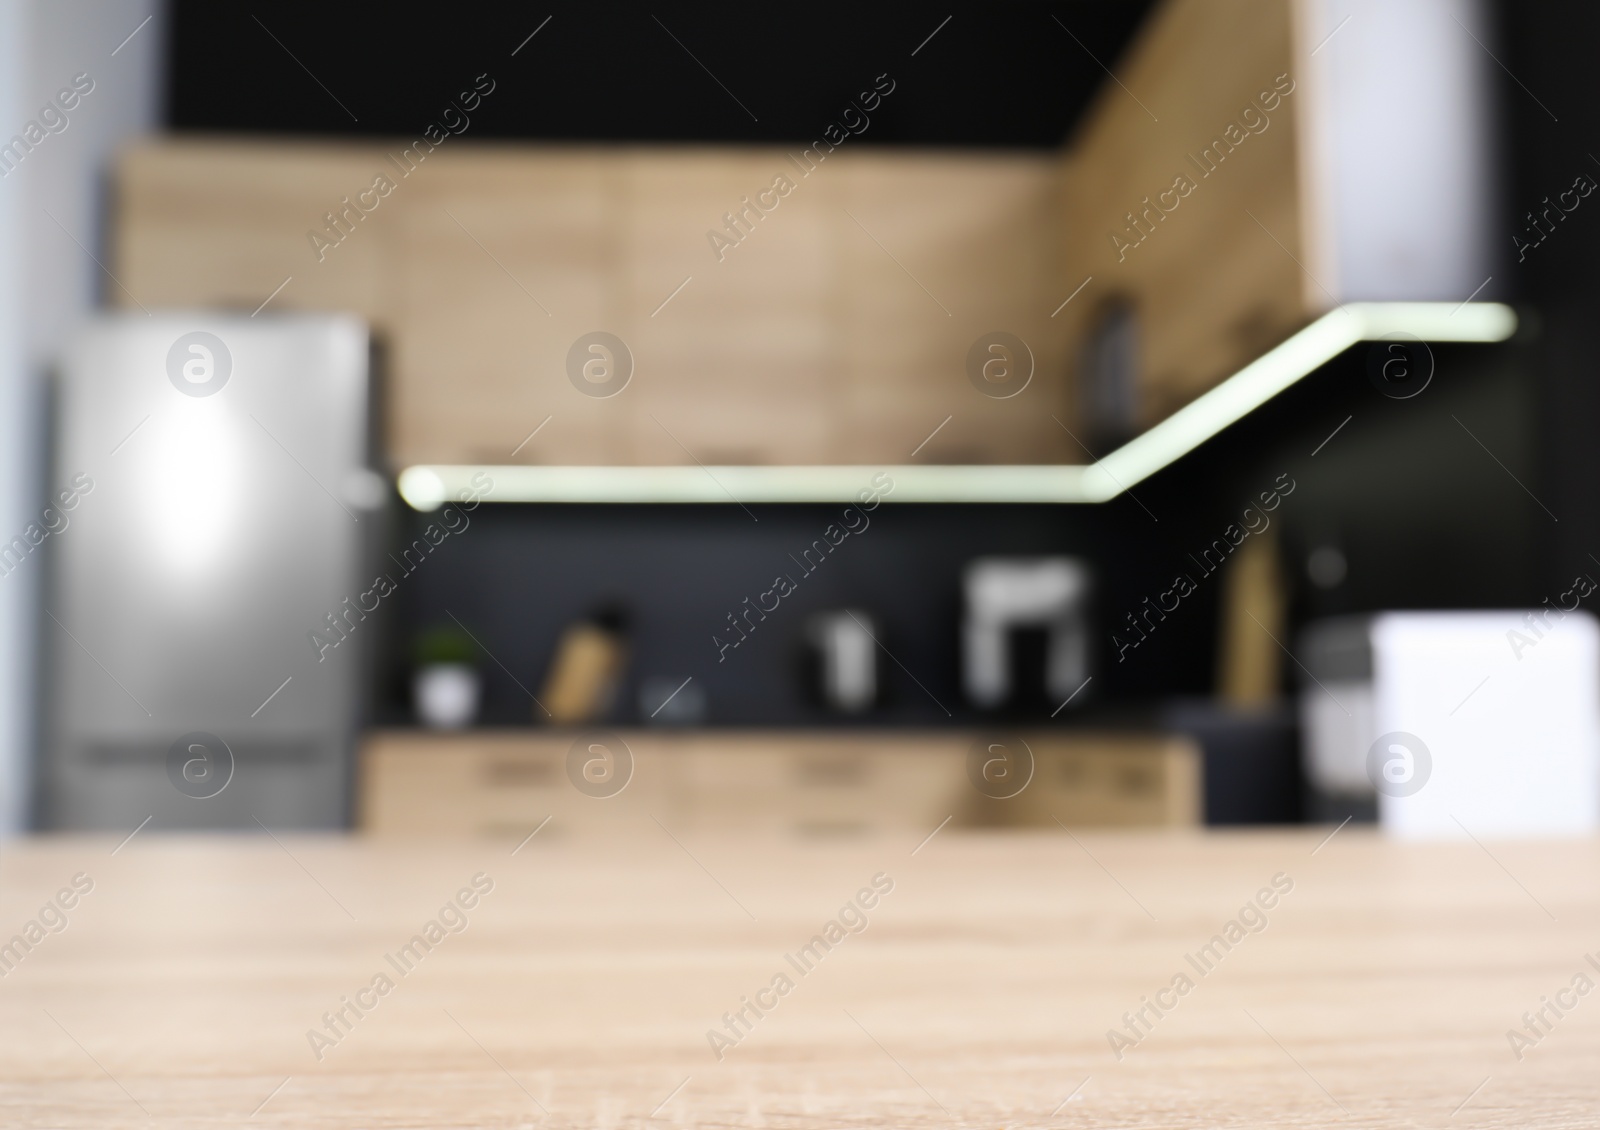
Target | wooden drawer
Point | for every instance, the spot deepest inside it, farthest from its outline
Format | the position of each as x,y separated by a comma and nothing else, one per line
497,784
1088,781
821,784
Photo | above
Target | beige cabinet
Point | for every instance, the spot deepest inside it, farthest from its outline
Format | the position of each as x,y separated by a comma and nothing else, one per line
1198,234
835,332
506,783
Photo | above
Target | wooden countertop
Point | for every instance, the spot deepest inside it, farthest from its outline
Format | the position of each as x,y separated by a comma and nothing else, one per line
979,994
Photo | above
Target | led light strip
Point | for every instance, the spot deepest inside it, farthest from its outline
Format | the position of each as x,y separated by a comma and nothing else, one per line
428,486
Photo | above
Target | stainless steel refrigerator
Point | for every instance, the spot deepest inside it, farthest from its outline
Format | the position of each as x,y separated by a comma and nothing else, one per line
211,504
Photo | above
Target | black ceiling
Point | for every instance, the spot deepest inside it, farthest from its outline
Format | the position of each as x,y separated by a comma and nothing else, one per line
994,74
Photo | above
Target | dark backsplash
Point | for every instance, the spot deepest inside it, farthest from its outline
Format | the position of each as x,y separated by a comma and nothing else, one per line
520,574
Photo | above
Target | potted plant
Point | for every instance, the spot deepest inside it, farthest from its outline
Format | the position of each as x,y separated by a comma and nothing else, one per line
446,685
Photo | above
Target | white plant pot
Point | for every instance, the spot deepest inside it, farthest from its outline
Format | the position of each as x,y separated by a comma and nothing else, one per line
446,695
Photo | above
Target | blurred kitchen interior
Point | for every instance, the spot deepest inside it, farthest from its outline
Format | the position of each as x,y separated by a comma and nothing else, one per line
582,167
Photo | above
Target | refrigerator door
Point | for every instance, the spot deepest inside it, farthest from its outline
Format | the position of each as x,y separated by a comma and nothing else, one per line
211,499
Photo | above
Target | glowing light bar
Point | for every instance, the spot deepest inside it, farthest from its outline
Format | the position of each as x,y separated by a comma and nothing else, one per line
426,487
429,487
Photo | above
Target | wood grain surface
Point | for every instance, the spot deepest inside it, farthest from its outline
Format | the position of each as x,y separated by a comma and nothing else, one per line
837,333
1217,277
979,993
489,782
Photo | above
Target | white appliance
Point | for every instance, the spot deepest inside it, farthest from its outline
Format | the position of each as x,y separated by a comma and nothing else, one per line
847,657
221,505
1007,593
1458,723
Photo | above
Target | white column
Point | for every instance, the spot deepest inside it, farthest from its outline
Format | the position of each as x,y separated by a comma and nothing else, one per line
53,200
1396,114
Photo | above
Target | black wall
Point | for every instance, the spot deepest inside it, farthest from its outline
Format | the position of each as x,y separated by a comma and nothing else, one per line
998,74
520,574
1553,135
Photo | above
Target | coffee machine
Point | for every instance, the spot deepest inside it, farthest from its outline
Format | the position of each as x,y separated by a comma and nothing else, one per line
1010,602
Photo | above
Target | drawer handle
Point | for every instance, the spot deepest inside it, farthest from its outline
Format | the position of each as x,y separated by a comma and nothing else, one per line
518,772
831,770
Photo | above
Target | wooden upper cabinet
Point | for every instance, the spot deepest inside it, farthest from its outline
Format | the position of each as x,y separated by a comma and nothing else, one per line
1184,202
502,265
1252,164
223,223
836,331
1257,163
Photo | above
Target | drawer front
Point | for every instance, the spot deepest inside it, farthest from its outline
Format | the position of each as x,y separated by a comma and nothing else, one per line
506,787
821,785
1121,782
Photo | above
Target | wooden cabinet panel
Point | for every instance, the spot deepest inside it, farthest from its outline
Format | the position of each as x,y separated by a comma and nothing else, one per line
1215,273
505,783
506,262
739,366
822,785
497,785
915,305
1115,780
223,223
806,342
